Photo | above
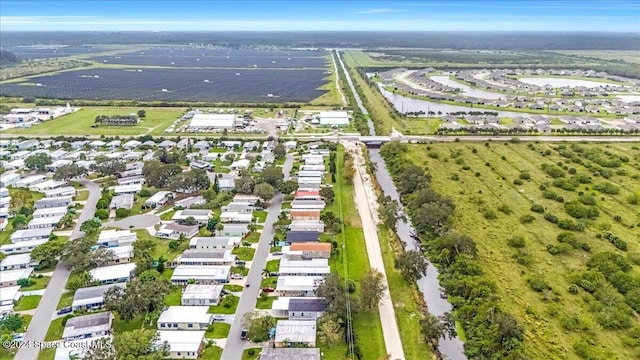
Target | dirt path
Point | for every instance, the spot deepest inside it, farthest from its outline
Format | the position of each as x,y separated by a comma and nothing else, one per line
335,68
365,203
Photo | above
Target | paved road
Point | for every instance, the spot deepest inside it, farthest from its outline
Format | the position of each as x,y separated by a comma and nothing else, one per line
234,346
288,165
387,312
142,221
49,302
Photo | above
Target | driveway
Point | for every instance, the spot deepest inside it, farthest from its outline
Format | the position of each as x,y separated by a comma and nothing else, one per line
135,222
49,302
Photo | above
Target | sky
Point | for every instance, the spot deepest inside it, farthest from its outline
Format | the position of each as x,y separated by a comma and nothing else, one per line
270,15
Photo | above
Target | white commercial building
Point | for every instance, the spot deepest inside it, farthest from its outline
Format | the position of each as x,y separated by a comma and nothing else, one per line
212,121
334,118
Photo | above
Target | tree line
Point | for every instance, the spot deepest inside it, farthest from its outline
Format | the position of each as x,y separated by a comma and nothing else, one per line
491,332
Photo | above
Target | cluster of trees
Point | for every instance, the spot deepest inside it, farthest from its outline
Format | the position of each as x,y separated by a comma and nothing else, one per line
38,162
490,331
117,119
144,294
69,171
143,344
265,186
169,174
7,57
108,167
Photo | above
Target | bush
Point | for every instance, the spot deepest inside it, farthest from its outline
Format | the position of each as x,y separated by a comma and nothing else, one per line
505,209
517,242
526,219
551,218
607,188
433,154
538,284
144,193
122,212
518,182
549,194
553,170
537,208
573,289
489,214
569,238
102,214
561,248
525,175
564,184
587,199
580,211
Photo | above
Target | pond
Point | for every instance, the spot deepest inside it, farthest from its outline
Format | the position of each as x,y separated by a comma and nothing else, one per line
564,82
466,90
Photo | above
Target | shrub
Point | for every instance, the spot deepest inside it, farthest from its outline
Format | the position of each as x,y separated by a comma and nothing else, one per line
564,184
538,284
615,240
489,214
607,188
454,177
573,289
554,171
569,238
551,218
144,193
525,175
537,208
580,211
561,248
122,212
587,199
549,194
526,219
518,182
477,174
505,209
517,242
466,167
102,214
433,154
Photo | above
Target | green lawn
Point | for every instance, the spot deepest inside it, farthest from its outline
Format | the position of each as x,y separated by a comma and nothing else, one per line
120,326
47,354
81,196
221,309
79,123
220,331
212,353
174,298
265,303
261,215
256,354
161,245
240,270
66,299
55,330
273,265
244,253
168,215
269,282
27,303
39,284
233,288
254,237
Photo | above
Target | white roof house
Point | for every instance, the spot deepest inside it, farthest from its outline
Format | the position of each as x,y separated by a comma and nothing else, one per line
200,216
62,191
31,234
241,164
185,318
159,198
11,277
218,242
47,185
295,332
113,274
201,295
206,274
213,121
44,222
205,257
85,326
127,189
182,344
297,285
112,238
30,181
234,217
18,261
9,295
48,212
329,118
92,297
21,247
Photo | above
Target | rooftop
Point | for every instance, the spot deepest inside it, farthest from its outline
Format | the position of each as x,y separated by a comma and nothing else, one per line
295,331
290,354
185,314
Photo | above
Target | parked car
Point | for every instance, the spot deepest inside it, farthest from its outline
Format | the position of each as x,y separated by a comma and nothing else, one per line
243,334
237,276
65,310
268,289
277,253
218,317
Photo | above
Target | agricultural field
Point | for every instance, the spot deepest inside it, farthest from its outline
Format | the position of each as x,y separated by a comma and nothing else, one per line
222,85
49,52
556,229
79,123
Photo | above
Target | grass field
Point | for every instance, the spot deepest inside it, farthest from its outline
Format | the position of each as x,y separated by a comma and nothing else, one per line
630,56
38,284
220,331
487,184
79,123
244,253
55,330
28,302
212,352
221,309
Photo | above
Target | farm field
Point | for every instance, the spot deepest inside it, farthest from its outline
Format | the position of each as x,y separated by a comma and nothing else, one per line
79,123
555,287
228,85
48,52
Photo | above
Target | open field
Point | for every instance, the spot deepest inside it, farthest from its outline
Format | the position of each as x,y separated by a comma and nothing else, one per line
630,56
79,123
534,282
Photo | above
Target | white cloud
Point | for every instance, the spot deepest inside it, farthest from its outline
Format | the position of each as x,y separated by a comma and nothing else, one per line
379,11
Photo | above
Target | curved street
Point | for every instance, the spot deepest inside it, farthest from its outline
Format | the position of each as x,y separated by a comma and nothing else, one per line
49,302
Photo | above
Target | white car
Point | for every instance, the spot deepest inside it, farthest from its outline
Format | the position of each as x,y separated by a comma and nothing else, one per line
219,317
237,276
